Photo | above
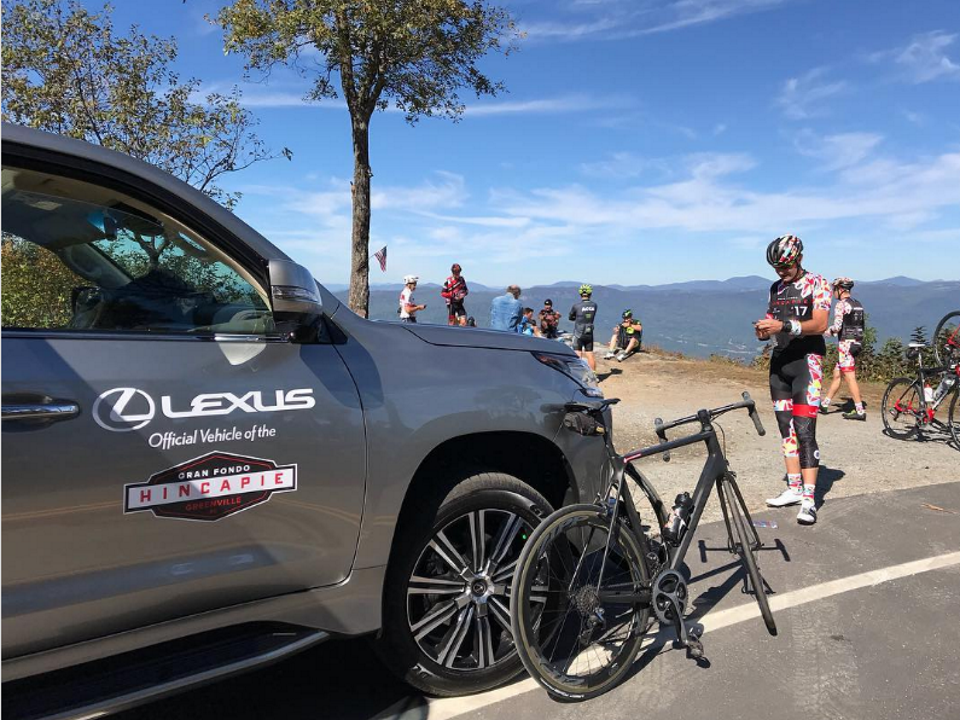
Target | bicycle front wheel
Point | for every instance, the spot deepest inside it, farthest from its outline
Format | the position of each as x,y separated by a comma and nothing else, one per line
579,611
743,544
954,417
902,408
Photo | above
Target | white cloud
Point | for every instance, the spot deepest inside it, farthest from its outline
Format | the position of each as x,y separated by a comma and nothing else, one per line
924,58
719,129
918,119
562,104
837,151
447,192
622,19
702,195
619,165
707,201
803,97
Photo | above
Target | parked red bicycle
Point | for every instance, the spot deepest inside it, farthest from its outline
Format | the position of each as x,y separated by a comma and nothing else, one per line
910,405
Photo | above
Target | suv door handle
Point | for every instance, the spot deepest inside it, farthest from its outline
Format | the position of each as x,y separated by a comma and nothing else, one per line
54,410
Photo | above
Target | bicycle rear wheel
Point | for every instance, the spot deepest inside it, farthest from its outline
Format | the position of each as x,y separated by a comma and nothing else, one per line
946,339
576,633
902,408
743,540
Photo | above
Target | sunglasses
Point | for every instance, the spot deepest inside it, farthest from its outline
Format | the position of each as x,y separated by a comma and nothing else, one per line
785,266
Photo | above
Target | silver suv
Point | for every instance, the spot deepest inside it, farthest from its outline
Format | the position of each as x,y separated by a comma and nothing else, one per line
210,463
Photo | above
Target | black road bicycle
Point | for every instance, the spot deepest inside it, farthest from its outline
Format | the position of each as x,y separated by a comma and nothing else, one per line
590,575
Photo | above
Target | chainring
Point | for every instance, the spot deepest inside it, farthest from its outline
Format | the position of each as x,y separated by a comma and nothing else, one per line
669,586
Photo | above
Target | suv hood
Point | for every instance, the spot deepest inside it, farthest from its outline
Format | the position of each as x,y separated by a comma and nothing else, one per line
490,339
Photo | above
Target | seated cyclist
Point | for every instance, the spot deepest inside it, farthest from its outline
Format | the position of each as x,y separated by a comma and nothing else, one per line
626,339
527,325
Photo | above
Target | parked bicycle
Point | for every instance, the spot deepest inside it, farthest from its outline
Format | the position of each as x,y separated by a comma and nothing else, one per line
590,575
910,405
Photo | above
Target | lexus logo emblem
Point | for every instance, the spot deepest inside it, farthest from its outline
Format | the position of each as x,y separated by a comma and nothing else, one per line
123,409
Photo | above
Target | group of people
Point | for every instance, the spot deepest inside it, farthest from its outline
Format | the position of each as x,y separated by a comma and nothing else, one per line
507,313
797,319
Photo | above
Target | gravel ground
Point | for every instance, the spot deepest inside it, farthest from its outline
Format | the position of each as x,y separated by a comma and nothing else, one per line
857,458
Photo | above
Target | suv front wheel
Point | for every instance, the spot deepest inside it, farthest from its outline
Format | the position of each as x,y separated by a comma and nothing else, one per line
446,624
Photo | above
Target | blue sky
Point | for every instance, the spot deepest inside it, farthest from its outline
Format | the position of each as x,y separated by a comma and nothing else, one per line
641,141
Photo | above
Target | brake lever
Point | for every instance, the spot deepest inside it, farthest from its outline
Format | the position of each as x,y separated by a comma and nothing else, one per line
662,434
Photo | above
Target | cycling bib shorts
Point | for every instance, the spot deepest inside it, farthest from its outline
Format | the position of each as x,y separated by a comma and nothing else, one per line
848,351
583,343
795,385
456,310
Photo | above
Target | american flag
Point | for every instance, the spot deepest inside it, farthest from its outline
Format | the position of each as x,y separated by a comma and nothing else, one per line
381,257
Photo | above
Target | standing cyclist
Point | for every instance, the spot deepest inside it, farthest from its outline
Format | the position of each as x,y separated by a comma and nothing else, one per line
848,326
582,314
408,306
454,291
797,317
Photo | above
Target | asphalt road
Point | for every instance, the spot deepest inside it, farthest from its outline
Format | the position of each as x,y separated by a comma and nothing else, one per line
867,630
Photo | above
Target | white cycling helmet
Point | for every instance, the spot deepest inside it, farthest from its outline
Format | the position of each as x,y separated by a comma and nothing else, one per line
407,279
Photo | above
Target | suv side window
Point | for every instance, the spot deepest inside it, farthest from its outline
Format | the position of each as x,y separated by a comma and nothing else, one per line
78,256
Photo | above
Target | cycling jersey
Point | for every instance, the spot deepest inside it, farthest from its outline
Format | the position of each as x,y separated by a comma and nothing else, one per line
848,321
406,298
454,289
848,326
583,314
797,301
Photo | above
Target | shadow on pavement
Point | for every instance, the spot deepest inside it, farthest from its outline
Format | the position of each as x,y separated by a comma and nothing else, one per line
825,480
340,679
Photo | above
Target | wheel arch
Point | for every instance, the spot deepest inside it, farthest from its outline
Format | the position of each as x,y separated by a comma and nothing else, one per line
529,457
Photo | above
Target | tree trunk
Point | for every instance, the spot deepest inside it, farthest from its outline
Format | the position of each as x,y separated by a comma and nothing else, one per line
359,298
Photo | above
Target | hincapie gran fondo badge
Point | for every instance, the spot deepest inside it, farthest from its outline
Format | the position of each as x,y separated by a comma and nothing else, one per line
210,487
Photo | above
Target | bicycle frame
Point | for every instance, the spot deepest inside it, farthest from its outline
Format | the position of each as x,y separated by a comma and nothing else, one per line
715,470
926,411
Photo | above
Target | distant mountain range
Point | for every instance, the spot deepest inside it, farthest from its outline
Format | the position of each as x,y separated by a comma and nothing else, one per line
699,318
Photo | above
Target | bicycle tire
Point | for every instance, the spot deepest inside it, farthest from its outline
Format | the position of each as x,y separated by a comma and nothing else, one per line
745,550
533,637
941,352
953,417
890,412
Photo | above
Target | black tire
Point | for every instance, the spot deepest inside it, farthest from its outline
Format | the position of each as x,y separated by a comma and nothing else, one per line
472,649
901,408
953,417
946,339
743,541
548,593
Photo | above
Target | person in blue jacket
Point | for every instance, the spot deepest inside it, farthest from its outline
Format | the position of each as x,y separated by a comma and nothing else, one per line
506,310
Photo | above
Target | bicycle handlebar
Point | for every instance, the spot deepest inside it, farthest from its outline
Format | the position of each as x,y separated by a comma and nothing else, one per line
747,403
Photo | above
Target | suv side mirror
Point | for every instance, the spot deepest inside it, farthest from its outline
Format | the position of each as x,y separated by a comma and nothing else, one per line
293,289
296,300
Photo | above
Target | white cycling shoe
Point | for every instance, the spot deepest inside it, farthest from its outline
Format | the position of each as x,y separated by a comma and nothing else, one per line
808,513
787,497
